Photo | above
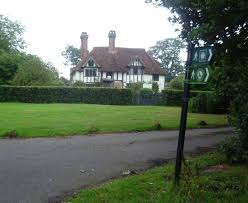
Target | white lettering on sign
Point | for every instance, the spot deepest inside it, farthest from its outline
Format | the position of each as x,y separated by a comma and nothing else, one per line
203,55
192,75
195,56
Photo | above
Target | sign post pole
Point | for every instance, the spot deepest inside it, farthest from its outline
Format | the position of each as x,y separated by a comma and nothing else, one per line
197,72
183,120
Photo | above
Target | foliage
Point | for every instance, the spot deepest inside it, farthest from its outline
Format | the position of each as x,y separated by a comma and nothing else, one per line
155,87
224,25
239,118
11,42
65,81
8,66
232,148
17,67
11,34
167,52
136,87
79,84
64,95
71,55
173,97
76,119
156,185
177,82
146,91
33,71
205,102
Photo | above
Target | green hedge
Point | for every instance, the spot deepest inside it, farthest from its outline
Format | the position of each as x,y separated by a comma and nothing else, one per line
172,97
65,95
206,102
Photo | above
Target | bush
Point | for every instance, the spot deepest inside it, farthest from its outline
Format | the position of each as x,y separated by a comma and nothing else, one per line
207,102
173,97
65,95
232,148
177,82
155,87
79,84
204,102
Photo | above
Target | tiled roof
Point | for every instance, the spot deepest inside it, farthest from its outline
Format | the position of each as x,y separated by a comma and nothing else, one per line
118,60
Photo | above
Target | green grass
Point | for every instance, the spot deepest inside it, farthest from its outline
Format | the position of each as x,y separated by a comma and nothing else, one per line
31,120
156,185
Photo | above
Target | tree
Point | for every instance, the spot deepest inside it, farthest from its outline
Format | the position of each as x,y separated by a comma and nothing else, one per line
167,52
224,25
33,71
177,82
71,55
11,42
11,34
65,82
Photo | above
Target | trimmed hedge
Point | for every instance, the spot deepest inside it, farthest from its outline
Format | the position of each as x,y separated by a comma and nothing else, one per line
173,97
65,95
206,102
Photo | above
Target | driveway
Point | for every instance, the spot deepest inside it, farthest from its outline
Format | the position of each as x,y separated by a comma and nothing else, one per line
46,169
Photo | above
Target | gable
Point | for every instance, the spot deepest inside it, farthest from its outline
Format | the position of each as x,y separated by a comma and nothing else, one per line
91,63
135,61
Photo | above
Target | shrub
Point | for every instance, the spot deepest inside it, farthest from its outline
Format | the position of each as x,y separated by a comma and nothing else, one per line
173,97
155,87
232,148
205,102
65,95
177,82
79,84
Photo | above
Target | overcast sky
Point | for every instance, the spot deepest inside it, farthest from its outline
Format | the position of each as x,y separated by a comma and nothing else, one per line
52,24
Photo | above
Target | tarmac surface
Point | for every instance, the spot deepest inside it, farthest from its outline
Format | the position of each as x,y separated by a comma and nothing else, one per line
49,169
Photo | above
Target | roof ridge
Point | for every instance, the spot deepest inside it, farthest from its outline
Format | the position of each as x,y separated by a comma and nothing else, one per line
120,48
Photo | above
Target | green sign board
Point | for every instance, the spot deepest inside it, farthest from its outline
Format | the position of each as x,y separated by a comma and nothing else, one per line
199,69
198,74
202,55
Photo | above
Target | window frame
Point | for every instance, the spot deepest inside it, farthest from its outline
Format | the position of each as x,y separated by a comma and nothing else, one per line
155,77
90,72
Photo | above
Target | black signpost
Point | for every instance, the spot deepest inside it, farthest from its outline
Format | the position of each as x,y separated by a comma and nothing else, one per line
183,120
197,72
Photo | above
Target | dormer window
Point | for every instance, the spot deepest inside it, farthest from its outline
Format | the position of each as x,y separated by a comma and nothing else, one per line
90,69
135,62
91,63
135,66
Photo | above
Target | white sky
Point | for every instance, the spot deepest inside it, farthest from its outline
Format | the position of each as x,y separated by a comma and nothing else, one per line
52,24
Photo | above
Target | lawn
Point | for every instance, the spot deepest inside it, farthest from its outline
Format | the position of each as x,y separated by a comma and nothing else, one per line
200,183
42,120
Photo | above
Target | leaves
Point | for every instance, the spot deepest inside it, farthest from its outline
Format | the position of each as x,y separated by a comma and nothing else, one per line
71,55
167,52
11,34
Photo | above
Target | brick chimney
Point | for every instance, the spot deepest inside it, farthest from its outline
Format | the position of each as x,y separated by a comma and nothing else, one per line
84,46
111,36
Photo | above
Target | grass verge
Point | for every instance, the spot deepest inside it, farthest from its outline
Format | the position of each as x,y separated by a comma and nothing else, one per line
200,183
43,120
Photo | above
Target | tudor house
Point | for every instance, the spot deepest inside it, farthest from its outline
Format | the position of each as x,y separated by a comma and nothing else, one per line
116,66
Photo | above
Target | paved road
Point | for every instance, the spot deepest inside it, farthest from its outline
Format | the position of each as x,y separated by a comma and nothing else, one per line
46,169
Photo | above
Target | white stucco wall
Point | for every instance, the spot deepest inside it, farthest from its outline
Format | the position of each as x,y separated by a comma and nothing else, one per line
119,76
147,81
76,76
